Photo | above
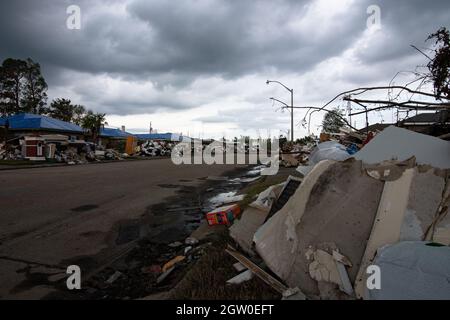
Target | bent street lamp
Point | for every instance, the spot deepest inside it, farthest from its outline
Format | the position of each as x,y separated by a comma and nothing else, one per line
292,105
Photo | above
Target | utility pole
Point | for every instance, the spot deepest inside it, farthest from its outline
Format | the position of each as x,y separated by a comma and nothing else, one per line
292,115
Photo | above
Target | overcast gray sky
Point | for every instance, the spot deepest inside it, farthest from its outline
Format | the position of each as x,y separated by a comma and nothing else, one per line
200,67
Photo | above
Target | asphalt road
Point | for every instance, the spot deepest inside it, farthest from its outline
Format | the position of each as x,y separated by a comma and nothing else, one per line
49,216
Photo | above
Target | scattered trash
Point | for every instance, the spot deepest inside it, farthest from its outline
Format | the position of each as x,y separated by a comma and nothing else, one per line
187,249
290,160
175,244
260,273
172,263
242,277
239,267
191,241
165,274
223,215
152,148
116,275
293,294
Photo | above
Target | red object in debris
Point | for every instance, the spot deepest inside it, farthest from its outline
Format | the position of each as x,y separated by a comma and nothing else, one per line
369,137
223,215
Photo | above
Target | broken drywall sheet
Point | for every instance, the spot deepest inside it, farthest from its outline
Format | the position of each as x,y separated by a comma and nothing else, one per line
323,267
242,277
441,229
289,187
267,198
243,229
330,268
336,202
407,209
412,271
389,170
425,197
304,170
253,217
400,144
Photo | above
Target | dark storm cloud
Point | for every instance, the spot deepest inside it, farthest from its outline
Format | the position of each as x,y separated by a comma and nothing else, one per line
173,43
230,38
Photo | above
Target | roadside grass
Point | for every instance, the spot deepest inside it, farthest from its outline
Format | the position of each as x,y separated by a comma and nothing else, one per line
206,280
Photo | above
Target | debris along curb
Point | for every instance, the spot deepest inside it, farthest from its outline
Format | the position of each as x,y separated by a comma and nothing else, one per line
50,165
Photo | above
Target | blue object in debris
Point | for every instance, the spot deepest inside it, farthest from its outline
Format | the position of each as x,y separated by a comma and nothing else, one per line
352,149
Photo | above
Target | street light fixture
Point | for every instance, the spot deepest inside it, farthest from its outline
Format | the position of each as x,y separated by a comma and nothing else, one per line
292,104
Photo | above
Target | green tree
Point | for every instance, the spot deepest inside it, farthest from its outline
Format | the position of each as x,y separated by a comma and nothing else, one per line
64,110
79,112
332,121
22,87
12,73
35,89
439,66
93,123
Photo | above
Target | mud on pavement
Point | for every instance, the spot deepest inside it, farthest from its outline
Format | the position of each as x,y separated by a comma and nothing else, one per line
149,242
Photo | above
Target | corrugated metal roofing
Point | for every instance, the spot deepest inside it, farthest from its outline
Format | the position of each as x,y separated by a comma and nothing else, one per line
28,121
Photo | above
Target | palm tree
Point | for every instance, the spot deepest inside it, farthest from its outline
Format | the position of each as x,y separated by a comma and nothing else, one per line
93,123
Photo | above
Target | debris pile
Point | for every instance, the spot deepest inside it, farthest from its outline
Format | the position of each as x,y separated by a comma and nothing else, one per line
56,148
70,156
10,152
147,269
387,206
152,148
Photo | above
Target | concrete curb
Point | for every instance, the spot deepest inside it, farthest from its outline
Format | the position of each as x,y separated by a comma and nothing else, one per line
12,167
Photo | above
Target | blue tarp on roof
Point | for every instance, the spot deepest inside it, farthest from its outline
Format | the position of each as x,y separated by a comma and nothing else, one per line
28,121
114,133
159,136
